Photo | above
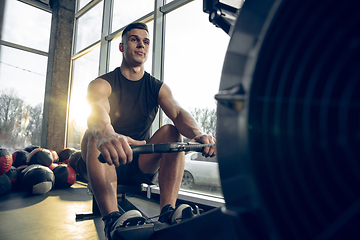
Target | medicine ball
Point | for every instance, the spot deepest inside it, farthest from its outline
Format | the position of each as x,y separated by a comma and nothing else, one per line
19,158
65,154
38,180
13,174
23,169
82,170
20,169
5,161
40,156
65,176
30,148
54,155
74,158
53,165
5,185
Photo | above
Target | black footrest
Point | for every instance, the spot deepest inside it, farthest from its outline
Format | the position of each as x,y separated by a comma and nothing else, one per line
86,216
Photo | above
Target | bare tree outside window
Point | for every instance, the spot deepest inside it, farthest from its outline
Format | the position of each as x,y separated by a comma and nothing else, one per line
20,123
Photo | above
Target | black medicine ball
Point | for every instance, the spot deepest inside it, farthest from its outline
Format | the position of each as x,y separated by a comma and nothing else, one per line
38,180
23,170
5,185
19,158
65,176
40,156
13,174
65,154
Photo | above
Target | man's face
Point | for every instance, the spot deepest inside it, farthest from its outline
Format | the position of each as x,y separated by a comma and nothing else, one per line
135,46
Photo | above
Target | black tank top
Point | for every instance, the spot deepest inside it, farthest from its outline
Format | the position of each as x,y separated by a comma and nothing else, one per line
133,104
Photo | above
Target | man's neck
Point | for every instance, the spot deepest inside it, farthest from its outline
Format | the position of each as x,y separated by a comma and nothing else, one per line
132,73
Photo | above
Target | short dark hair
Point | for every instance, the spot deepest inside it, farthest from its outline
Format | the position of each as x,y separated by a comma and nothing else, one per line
136,25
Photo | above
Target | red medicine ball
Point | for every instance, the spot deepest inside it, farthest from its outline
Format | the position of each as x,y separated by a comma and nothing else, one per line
65,154
30,148
19,158
74,158
55,156
40,156
65,176
5,161
38,180
53,165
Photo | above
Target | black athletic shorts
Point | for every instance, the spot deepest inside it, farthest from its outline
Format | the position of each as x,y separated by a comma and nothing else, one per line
130,174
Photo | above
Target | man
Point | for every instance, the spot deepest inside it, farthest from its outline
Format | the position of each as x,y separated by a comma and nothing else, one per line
124,104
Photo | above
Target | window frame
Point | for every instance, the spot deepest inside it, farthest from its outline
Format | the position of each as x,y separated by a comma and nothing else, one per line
43,7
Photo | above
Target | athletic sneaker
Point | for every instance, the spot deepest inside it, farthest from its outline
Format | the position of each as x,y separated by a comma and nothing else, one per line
109,221
116,219
166,213
171,215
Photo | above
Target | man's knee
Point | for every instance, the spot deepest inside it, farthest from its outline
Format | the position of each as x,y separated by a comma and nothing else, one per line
171,132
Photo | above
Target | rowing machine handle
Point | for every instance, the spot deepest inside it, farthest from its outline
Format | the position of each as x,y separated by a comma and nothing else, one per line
137,149
162,148
193,146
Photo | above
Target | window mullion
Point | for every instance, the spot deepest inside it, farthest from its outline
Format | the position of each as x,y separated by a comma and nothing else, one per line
104,45
158,52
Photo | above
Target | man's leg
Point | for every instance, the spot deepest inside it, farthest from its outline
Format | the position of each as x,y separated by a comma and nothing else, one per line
170,165
103,178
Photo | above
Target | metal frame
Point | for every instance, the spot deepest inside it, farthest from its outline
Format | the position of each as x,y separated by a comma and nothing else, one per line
23,48
158,54
171,6
144,19
86,8
198,198
104,44
36,4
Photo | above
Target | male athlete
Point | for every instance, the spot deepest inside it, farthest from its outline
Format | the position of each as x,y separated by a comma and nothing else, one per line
124,103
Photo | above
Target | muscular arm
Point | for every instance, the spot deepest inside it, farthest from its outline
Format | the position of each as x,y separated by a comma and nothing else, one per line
183,121
98,122
114,147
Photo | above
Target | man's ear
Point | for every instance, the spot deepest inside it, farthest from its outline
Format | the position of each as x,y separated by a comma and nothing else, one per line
121,47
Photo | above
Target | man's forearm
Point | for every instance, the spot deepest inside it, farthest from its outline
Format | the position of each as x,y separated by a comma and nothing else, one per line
99,121
187,125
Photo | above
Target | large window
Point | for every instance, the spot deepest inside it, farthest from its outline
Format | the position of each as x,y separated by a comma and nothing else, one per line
23,64
125,12
85,69
88,27
26,25
194,53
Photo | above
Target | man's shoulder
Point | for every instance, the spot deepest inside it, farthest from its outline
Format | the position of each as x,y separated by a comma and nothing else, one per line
110,74
111,77
149,77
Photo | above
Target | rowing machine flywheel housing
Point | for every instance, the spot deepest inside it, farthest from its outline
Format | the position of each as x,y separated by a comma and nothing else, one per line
288,126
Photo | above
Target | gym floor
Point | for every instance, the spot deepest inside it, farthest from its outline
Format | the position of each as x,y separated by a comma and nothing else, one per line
52,215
